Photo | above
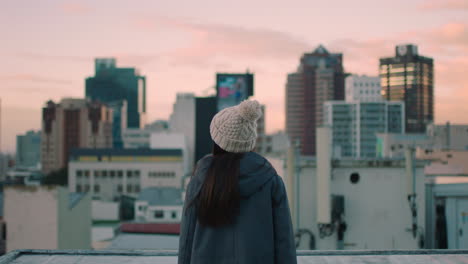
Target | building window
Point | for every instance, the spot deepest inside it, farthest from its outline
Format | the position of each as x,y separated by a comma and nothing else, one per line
104,173
159,214
78,188
79,173
119,188
136,173
86,173
129,174
97,173
86,188
137,188
119,174
112,174
129,188
96,188
174,215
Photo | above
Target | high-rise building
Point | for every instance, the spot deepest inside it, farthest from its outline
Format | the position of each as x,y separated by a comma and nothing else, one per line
115,84
28,149
205,110
73,123
409,77
319,78
192,117
182,120
355,125
363,89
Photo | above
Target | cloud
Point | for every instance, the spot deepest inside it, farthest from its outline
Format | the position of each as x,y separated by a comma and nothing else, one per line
217,41
33,78
75,8
41,56
444,5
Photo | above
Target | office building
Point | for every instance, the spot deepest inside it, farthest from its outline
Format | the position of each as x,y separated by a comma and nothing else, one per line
192,117
363,89
109,173
355,125
182,120
73,123
409,77
111,83
28,149
319,78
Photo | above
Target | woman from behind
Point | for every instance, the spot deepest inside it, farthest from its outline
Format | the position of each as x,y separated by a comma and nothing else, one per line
236,209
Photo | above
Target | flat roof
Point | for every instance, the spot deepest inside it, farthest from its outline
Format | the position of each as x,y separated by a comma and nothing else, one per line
126,152
170,257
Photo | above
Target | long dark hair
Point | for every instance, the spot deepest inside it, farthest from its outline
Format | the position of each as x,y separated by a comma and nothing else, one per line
218,200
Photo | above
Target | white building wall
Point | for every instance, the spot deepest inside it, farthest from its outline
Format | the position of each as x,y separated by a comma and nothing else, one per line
362,89
172,141
377,212
103,210
31,216
182,120
168,174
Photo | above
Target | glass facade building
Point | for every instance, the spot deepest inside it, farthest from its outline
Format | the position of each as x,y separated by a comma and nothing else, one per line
409,77
112,84
355,125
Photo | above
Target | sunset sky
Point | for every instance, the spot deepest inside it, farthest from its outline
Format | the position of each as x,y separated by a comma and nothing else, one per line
48,48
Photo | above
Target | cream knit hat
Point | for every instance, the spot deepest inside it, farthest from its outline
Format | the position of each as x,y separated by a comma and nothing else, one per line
234,129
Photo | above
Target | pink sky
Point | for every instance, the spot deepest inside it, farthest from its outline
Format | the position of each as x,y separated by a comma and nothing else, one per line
48,48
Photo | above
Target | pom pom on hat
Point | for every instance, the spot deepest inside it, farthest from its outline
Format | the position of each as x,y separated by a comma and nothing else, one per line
250,110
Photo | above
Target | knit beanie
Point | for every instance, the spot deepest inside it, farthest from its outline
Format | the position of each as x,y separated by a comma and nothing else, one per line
234,129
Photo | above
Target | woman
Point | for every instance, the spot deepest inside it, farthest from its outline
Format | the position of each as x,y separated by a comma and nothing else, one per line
236,209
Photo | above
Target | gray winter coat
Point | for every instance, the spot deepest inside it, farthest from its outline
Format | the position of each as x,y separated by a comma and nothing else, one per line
262,233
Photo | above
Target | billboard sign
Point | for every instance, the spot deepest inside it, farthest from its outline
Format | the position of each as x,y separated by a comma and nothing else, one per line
232,89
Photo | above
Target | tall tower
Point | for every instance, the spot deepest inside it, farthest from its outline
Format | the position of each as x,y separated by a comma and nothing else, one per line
409,77
73,123
319,78
112,84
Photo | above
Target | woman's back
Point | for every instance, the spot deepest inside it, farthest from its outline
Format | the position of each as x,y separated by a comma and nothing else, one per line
236,208
261,232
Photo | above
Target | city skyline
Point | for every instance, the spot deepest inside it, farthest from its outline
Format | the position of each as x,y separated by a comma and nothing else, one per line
49,48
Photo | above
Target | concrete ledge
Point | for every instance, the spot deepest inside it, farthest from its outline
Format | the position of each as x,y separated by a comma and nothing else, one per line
15,256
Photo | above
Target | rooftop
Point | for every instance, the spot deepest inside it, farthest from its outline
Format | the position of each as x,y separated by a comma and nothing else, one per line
170,257
161,196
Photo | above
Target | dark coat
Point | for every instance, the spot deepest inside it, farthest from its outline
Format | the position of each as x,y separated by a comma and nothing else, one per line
262,232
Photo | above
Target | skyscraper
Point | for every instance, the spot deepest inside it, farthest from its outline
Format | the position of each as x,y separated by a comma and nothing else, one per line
409,77
319,78
116,84
73,123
